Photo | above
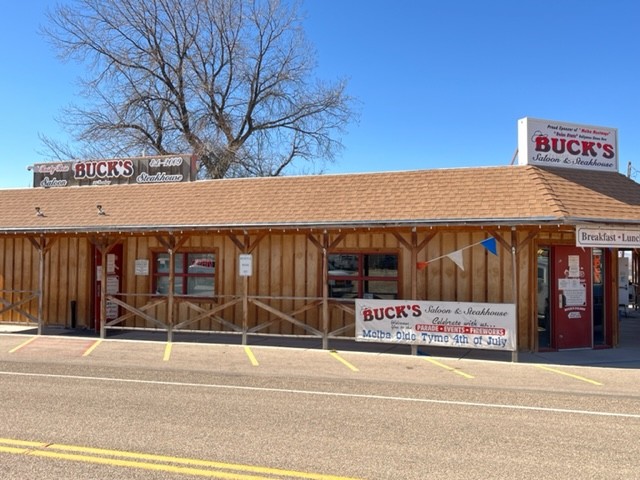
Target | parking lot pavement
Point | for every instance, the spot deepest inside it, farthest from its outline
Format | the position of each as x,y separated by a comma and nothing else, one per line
625,355
284,366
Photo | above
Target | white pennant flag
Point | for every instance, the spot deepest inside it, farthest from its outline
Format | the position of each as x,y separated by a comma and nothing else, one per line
457,258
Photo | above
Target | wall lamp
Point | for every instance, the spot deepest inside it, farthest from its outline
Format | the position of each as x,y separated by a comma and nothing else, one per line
39,212
100,210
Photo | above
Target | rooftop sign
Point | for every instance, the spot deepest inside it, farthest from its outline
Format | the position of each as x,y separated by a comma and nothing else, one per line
161,169
547,143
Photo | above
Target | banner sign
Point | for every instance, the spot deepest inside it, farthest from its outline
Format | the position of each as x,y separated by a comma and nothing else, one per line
588,236
548,143
162,169
439,324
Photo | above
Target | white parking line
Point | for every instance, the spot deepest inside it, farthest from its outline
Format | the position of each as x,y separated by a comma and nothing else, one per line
327,393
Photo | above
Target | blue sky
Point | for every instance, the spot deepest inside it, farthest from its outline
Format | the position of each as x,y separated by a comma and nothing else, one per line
440,83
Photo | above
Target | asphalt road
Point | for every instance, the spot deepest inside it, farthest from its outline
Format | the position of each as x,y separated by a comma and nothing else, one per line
74,408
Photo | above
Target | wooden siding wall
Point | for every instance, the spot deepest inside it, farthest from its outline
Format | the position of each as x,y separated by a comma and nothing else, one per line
67,278
286,265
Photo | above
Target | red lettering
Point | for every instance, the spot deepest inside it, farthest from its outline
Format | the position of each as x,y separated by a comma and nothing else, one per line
101,169
128,168
79,170
573,147
587,149
608,151
542,144
400,311
112,168
555,147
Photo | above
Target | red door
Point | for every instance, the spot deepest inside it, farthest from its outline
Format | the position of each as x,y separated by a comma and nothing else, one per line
571,297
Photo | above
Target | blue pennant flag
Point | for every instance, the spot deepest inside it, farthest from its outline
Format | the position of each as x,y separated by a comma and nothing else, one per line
490,244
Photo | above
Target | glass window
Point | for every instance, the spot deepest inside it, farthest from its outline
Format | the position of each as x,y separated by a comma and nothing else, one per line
544,311
194,274
363,275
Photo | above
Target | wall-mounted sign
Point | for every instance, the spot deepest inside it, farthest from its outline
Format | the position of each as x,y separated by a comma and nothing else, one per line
245,264
162,169
548,143
142,266
587,236
439,324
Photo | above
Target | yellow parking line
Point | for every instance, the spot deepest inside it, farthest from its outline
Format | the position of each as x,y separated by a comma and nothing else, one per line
167,352
88,351
161,463
343,361
23,344
251,356
447,367
577,377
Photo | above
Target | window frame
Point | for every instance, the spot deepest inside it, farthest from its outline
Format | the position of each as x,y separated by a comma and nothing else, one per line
360,278
185,275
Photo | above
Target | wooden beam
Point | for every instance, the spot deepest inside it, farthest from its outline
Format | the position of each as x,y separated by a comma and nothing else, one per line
315,241
336,241
401,239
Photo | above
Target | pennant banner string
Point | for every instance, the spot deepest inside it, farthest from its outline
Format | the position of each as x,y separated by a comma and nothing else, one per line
456,256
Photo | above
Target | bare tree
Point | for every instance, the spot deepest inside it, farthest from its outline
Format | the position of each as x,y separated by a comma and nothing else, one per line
228,80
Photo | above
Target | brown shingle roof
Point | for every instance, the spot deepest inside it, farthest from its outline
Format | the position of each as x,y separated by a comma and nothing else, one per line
488,195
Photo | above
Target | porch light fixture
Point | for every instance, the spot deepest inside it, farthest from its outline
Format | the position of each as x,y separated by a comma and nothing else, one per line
100,210
39,212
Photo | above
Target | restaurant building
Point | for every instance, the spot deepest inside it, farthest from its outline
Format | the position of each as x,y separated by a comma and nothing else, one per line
293,256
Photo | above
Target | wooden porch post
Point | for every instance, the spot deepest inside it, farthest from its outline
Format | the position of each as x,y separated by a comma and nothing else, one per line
514,280
171,293
43,247
104,251
42,253
245,294
325,291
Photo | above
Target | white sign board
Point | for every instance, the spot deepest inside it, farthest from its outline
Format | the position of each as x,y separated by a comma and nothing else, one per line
245,264
142,266
588,236
439,324
548,143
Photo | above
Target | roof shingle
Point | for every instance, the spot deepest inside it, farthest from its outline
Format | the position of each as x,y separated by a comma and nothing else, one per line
486,195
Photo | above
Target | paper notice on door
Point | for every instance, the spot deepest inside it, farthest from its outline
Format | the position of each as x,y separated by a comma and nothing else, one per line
574,265
569,284
113,284
111,263
575,298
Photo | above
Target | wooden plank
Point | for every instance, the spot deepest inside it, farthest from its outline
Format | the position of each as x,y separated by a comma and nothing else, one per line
449,268
288,318
85,279
464,240
287,275
72,275
52,285
494,275
63,282
9,275
299,277
477,269
4,254
434,268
